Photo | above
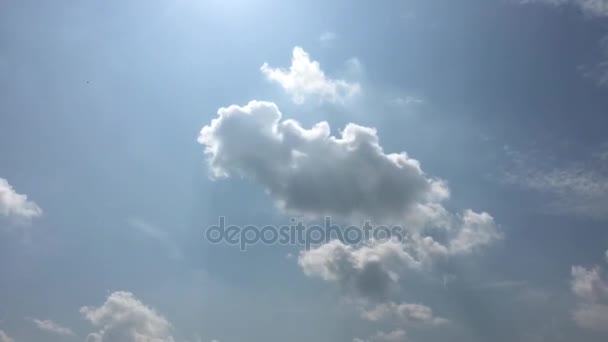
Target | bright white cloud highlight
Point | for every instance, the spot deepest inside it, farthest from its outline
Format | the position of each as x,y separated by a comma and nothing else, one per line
52,327
13,204
305,80
124,318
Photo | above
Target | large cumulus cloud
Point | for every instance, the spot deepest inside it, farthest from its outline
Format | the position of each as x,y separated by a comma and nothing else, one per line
314,173
311,172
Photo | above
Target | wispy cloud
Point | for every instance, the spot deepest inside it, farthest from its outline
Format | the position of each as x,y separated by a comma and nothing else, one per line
595,8
157,234
406,101
327,38
578,187
52,327
599,71
503,285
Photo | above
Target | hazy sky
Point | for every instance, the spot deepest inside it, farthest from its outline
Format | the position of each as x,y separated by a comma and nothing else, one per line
129,127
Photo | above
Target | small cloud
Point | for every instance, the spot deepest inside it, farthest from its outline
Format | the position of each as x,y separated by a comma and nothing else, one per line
403,312
503,285
15,205
327,38
406,101
52,327
304,80
381,336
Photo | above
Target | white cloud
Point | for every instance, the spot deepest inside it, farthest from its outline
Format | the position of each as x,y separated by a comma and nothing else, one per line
370,271
476,229
591,289
309,172
592,316
52,327
393,336
595,8
124,318
327,38
398,335
5,338
587,284
504,285
403,312
13,204
406,101
305,80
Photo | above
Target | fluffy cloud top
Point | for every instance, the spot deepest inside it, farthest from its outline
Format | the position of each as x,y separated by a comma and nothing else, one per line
592,291
310,172
4,337
13,204
52,327
126,319
305,80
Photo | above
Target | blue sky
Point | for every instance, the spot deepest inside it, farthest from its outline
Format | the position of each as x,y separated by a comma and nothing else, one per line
129,127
